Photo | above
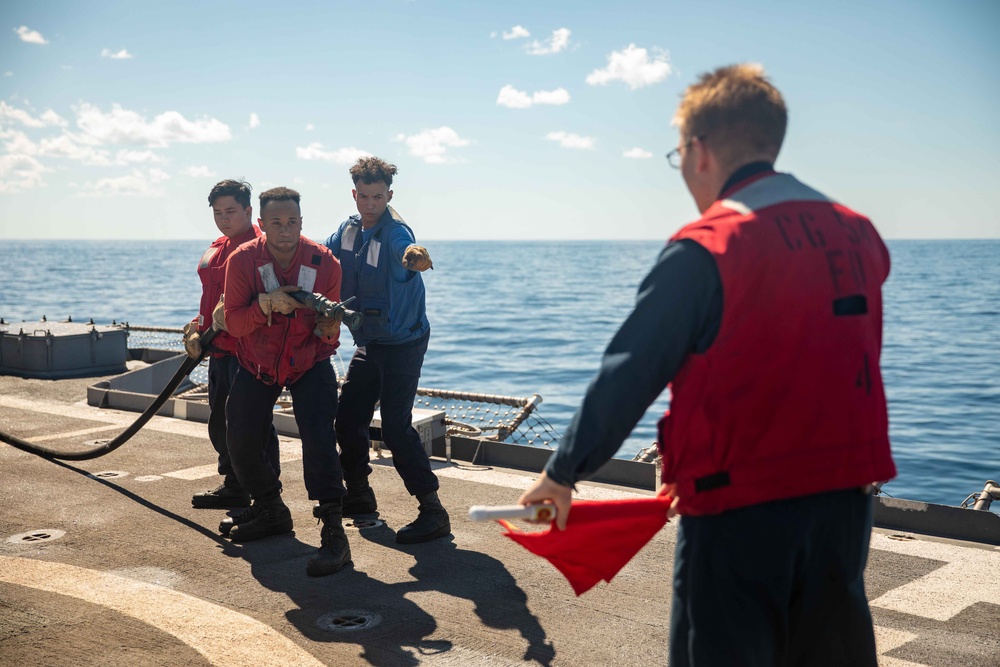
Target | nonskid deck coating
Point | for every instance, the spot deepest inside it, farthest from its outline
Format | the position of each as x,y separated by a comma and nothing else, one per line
141,578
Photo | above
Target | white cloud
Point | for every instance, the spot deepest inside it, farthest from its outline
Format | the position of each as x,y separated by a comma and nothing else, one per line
71,147
30,36
315,151
48,118
517,32
116,55
556,97
568,140
554,44
634,67
20,172
18,143
199,172
432,145
124,157
310,127
128,127
254,120
139,183
637,153
8,73
513,98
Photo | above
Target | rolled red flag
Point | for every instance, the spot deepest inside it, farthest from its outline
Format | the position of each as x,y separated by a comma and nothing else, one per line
600,538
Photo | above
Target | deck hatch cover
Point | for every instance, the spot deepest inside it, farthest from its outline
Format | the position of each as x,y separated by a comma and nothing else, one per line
35,536
108,474
348,620
362,524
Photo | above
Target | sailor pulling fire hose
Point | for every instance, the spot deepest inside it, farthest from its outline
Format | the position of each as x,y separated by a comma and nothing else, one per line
316,302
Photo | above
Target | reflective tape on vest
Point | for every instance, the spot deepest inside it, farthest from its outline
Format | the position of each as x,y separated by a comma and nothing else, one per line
347,240
267,275
307,278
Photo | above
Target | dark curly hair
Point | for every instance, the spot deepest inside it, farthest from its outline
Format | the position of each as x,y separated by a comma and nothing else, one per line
372,170
239,190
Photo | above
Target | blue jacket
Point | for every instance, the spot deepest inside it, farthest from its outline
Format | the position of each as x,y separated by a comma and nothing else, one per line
390,295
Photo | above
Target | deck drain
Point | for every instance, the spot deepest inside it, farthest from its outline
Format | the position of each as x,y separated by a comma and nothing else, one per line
361,524
348,620
108,474
35,536
902,538
97,443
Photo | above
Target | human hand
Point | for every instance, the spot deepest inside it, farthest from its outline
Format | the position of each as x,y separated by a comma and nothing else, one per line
328,325
192,340
416,258
546,490
279,301
219,315
670,491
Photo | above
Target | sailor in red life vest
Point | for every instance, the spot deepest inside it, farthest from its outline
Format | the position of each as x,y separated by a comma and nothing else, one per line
765,319
280,343
230,202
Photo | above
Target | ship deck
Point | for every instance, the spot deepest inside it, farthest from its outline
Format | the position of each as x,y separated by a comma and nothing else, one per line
105,562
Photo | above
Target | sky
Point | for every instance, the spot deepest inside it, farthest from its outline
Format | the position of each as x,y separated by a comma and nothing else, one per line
507,120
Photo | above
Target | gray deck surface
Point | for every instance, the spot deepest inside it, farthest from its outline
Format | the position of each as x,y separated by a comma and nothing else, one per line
139,577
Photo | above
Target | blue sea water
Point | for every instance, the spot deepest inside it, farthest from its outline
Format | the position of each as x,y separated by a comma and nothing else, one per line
534,317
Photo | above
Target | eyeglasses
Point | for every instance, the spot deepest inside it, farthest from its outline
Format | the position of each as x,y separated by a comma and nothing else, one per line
674,156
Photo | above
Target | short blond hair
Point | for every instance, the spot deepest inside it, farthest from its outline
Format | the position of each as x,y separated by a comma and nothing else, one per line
737,111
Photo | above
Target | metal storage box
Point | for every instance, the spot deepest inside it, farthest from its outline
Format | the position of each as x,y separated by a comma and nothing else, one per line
54,350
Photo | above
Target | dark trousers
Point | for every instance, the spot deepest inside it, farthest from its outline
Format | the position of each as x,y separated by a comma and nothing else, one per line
250,412
779,584
221,371
387,374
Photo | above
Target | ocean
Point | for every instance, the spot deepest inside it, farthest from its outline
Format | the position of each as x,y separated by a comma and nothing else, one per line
518,318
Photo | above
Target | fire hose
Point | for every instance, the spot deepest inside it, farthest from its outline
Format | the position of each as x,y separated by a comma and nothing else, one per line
316,302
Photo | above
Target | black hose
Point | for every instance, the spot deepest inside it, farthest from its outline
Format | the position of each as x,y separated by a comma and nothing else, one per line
185,369
317,302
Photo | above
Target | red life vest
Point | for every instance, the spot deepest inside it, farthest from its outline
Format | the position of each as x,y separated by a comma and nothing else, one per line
212,271
788,400
282,352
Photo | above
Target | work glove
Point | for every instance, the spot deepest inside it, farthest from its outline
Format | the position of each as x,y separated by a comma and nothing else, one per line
219,315
192,340
328,325
278,301
416,258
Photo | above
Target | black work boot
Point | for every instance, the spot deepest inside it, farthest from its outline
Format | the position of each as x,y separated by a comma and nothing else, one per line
221,497
226,526
360,499
272,518
334,551
432,522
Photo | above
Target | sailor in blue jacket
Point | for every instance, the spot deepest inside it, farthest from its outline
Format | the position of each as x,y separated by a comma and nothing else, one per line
381,268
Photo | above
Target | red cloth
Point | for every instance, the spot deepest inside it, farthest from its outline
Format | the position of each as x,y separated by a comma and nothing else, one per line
600,538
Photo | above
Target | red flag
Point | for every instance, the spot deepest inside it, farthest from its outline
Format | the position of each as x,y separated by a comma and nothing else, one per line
600,538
